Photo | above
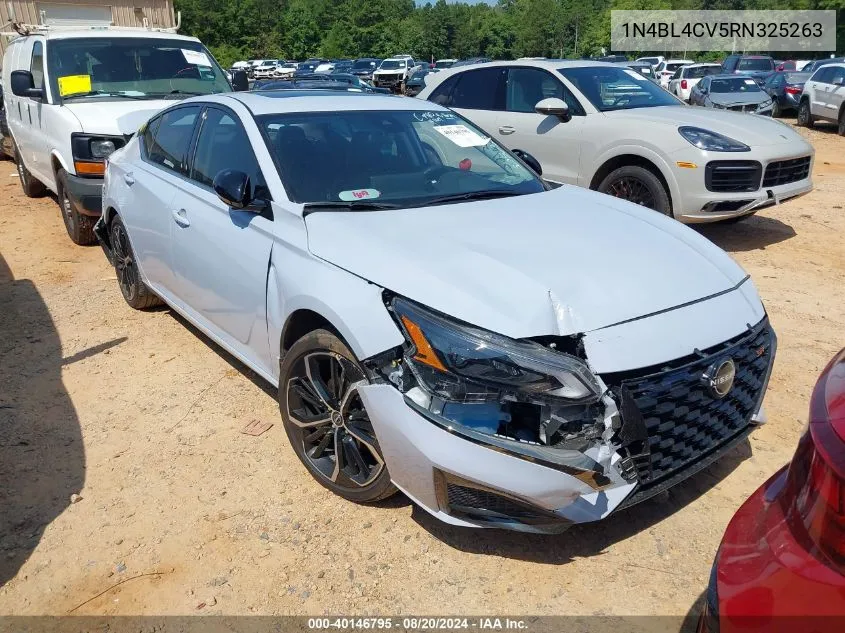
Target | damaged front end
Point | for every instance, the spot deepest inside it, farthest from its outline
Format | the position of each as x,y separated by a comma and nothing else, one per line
534,400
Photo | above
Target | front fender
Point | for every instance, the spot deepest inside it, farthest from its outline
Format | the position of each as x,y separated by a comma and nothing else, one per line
651,154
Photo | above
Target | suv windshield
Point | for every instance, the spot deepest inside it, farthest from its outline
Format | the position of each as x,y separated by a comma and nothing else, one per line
101,67
609,88
392,64
759,63
734,84
364,64
390,158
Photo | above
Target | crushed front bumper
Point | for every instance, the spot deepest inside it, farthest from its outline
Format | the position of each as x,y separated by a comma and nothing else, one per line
86,194
467,482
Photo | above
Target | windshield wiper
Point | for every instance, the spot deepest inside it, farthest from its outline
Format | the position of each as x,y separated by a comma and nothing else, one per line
486,194
103,93
357,205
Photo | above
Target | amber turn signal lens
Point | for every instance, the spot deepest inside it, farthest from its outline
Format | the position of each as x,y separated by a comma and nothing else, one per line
89,169
425,353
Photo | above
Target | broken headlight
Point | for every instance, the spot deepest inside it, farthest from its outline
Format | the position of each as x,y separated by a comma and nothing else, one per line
518,395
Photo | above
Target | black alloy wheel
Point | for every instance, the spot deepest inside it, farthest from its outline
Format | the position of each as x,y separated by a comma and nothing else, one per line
638,185
805,118
134,290
326,421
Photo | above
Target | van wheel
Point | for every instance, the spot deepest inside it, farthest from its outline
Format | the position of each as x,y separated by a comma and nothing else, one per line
32,187
325,419
805,119
638,185
79,227
136,293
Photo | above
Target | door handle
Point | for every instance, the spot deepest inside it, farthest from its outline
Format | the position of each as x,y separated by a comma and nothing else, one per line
129,179
506,129
181,217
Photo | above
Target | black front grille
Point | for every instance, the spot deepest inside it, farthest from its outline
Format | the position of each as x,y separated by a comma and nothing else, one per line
683,421
468,499
732,175
786,171
748,107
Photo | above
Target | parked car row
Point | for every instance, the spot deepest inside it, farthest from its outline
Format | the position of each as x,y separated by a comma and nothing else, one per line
440,312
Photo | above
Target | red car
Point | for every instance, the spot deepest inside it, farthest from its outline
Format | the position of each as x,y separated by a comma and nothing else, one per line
781,564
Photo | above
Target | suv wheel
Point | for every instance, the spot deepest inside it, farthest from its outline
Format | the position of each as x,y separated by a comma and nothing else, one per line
79,227
32,187
326,421
805,119
638,185
136,293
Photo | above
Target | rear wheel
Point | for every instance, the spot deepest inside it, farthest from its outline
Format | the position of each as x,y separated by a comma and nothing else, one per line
638,185
776,110
841,129
136,293
325,419
79,227
805,119
32,187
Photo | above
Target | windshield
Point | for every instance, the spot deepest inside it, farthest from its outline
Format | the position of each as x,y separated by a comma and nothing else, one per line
365,64
101,67
761,63
697,72
395,158
674,67
392,64
610,88
796,78
734,84
648,60
444,64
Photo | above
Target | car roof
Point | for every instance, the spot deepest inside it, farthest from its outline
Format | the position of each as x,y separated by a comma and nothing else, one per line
110,33
283,101
731,76
700,64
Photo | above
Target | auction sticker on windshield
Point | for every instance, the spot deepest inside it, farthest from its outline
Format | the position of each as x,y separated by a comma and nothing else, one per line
461,135
358,194
74,84
198,58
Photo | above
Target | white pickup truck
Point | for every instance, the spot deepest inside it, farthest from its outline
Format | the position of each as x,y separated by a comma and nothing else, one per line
394,72
74,95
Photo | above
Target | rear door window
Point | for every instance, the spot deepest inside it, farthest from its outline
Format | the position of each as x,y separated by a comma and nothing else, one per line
172,140
479,90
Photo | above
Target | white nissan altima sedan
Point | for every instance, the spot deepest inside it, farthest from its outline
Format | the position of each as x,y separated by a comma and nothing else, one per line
437,319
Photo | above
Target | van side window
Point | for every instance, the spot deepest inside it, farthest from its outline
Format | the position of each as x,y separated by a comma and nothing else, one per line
36,66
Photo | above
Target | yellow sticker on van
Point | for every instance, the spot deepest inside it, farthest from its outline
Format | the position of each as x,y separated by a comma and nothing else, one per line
74,84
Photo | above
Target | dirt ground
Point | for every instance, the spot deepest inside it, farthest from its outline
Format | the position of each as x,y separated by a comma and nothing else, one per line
139,415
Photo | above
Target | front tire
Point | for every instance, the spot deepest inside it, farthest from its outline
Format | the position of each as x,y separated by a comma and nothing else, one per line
136,293
805,118
638,185
841,128
80,227
776,110
325,419
32,187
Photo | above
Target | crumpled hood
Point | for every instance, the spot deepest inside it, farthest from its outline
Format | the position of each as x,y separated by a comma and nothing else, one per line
753,131
560,262
115,117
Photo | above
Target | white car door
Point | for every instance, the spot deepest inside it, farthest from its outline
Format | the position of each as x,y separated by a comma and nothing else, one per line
553,142
835,93
818,84
221,254
151,184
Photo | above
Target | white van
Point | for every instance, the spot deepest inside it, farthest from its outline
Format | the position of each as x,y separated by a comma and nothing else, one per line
74,95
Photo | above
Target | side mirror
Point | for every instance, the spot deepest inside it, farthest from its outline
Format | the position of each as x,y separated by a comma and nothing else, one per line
233,188
553,107
240,81
529,160
23,85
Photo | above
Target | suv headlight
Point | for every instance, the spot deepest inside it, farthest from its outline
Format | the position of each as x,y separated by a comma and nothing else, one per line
520,397
711,141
